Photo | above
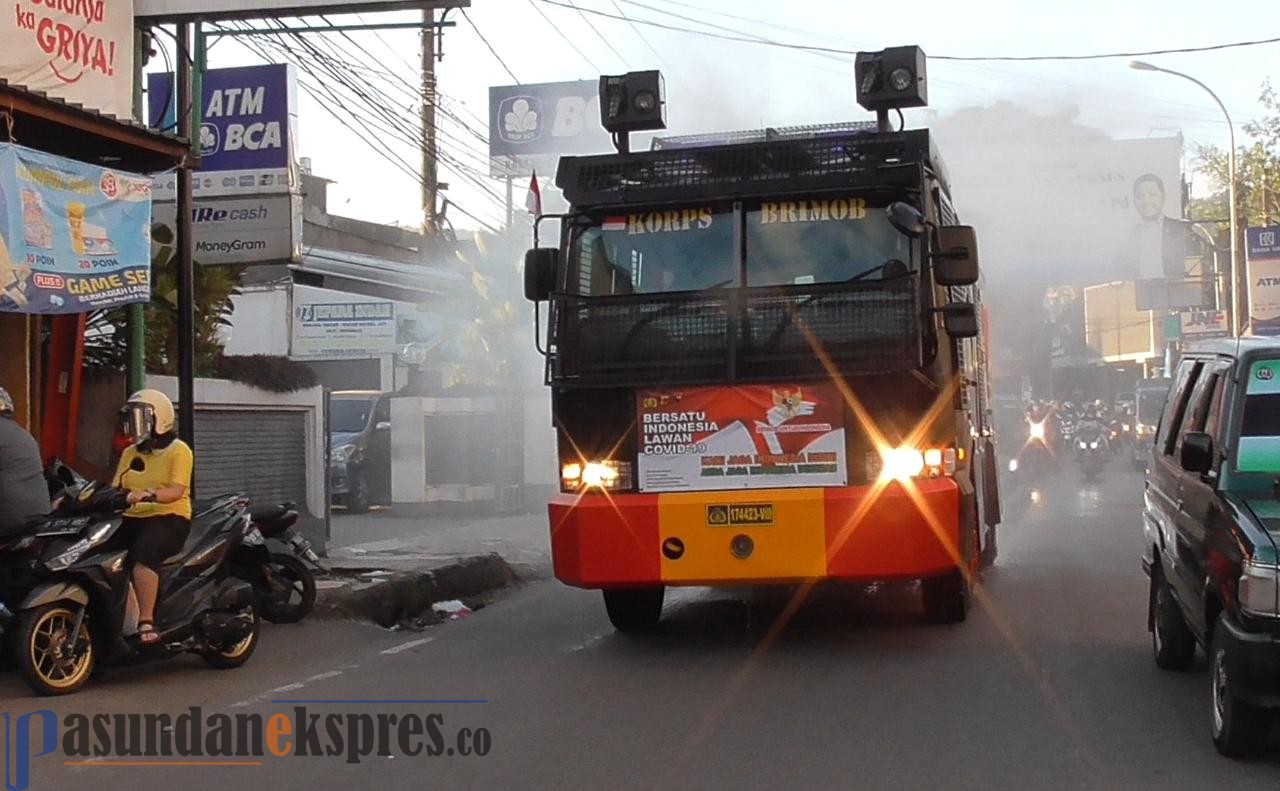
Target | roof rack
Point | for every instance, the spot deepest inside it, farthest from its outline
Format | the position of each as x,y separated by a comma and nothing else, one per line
805,162
804,132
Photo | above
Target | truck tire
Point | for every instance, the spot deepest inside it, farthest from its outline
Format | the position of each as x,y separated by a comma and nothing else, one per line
946,598
1172,642
634,609
1239,730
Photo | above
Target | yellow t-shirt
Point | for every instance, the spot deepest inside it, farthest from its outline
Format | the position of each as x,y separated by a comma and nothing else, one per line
160,469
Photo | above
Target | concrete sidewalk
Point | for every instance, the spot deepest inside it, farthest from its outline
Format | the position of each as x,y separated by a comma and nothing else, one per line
382,540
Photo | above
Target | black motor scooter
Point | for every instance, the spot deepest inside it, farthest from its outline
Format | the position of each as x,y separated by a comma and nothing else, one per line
284,583
84,610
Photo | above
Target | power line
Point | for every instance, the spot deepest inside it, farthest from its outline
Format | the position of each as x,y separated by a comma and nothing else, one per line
752,39
642,38
600,35
492,51
560,32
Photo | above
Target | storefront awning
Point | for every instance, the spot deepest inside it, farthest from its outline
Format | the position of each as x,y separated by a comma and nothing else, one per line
58,127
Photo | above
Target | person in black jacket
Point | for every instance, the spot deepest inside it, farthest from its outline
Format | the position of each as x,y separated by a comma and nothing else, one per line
24,495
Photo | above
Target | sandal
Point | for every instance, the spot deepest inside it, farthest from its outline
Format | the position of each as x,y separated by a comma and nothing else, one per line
147,634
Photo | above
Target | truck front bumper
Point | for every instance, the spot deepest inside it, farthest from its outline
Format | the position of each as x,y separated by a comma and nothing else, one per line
856,534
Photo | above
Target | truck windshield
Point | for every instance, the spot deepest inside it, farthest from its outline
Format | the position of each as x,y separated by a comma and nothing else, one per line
822,240
689,248
349,415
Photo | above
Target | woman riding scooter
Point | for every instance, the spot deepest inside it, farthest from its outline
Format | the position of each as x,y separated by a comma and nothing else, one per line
156,471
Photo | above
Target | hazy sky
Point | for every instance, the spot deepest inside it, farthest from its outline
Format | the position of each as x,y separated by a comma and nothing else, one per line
715,84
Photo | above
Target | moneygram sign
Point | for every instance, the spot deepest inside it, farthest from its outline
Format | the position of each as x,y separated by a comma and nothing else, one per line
247,131
531,126
262,229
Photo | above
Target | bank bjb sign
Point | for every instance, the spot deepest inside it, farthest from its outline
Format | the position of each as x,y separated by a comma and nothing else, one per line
531,126
1262,246
248,120
77,50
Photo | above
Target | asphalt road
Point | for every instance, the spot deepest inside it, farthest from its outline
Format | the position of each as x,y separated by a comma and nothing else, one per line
1049,684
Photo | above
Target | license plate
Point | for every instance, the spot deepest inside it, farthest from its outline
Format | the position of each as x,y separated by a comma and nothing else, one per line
739,514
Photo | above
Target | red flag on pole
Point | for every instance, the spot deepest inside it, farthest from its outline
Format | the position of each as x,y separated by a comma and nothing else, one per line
533,202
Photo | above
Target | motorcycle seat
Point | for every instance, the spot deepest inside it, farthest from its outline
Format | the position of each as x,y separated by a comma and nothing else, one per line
268,513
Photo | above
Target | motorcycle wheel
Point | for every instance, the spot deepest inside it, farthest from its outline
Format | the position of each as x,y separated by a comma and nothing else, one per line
42,654
299,596
238,654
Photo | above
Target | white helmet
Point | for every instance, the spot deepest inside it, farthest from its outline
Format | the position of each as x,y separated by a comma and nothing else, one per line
6,403
146,415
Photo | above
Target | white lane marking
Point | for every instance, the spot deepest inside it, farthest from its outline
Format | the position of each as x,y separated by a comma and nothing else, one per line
589,642
395,649
294,687
289,687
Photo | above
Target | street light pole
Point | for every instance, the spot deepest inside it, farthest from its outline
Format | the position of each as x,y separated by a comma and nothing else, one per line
1231,188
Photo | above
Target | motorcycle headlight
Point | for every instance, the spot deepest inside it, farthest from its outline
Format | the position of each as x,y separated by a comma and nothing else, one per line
96,535
1037,430
1083,444
1094,444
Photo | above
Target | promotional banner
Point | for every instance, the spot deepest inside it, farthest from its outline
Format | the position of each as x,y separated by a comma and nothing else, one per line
73,236
80,51
1262,247
264,229
1260,428
338,326
1114,328
741,437
531,126
248,123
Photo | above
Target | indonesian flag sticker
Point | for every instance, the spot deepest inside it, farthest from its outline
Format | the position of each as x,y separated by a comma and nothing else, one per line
618,223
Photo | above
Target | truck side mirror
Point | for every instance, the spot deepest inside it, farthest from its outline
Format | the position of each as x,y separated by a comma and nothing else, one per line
1197,452
540,265
956,261
960,319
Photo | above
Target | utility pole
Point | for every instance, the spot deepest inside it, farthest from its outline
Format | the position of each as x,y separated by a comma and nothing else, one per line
430,183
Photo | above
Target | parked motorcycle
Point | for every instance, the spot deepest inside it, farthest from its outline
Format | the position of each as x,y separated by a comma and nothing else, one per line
285,585
83,610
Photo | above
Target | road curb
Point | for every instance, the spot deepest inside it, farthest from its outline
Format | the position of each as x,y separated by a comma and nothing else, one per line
398,596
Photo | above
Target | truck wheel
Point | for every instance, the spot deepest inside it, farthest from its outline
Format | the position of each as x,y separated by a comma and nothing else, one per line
946,598
634,610
358,496
1171,639
1239,730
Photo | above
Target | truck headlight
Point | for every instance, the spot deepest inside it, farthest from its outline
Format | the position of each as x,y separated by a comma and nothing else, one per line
609,475
1258,589
900,464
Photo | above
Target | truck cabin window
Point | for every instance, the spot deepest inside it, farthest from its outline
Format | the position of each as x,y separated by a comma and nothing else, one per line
650,252
823,240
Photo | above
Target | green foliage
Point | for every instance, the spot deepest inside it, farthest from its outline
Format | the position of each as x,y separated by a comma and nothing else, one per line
106,340
266,372
1257,171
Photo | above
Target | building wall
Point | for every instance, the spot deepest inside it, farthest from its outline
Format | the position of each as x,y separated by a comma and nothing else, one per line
15,364
260,323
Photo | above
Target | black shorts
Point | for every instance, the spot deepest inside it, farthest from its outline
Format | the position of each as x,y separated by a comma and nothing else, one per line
154,539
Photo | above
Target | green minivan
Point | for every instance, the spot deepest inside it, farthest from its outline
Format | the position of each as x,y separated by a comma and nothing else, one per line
1211,521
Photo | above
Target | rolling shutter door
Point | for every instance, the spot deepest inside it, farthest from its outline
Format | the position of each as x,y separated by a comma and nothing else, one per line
260,453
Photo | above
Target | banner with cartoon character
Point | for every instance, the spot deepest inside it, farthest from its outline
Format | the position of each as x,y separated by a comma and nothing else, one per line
73,237
741,437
